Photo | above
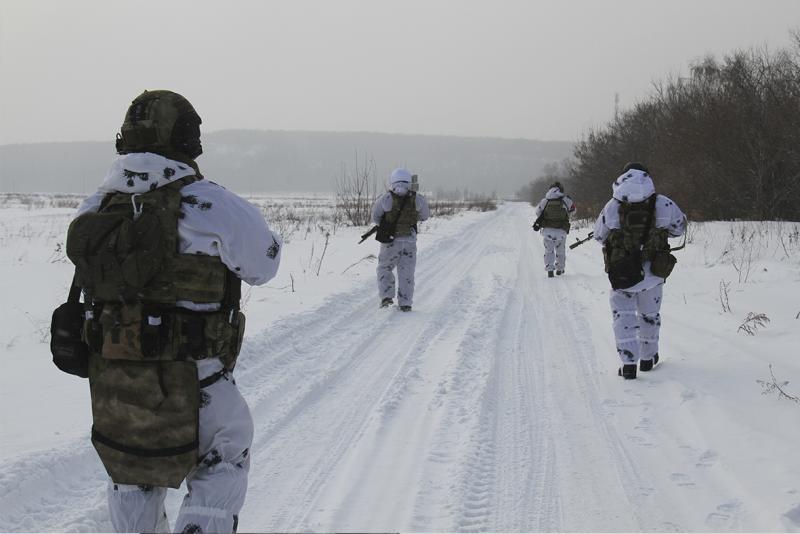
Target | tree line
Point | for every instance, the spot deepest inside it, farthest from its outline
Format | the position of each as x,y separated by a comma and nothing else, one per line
724,142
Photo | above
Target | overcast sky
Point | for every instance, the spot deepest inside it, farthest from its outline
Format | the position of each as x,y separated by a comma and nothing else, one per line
544,70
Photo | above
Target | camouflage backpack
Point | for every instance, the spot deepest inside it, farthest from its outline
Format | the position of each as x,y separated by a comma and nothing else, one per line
143,379
636,241
405,213
555,215
400,220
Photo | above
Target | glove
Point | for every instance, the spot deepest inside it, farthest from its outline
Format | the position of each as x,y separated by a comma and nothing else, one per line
536,227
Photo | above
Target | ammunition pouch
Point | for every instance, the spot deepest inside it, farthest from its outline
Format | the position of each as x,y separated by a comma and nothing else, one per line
139,333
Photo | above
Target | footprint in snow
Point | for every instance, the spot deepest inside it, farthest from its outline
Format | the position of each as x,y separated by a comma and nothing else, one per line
682,480
726,516
707,459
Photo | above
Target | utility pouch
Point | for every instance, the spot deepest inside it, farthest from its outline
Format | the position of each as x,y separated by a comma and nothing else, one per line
145,419
384,232
70,353
626,271
121,329
663,263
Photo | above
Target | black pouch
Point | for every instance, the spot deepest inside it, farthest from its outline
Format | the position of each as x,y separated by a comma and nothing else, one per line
70,353
662,264
154,334
384,232
626,272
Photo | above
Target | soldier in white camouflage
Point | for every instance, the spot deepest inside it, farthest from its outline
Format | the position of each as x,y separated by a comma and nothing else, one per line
397,212
552,218
634,228
160,254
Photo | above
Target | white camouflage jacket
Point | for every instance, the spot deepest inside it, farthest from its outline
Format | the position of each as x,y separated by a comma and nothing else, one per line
215,221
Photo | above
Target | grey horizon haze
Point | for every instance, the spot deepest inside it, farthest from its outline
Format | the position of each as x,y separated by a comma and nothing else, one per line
542,70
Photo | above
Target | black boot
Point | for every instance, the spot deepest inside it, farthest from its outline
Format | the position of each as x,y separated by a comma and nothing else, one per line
549,274
559,273
405,308
647,365
385,303
627,371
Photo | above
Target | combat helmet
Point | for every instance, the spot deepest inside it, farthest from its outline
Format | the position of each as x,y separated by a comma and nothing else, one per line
635,165
162,122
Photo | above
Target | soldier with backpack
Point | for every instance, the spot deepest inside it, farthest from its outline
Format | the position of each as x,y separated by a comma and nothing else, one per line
397,213
552,218
634,227
160,254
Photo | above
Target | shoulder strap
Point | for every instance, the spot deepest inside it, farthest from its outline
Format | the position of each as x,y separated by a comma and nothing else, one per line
74,290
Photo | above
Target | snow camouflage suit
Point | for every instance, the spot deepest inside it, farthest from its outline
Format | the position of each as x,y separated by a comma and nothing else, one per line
402,252
220,243
554,209
636,310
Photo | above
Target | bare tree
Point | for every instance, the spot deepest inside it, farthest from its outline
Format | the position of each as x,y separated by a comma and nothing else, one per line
356,191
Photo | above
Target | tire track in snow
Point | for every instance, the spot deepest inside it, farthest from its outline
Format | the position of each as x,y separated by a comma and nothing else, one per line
369,379
508,482
459,395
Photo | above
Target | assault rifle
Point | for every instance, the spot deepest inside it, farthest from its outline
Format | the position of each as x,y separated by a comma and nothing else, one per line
579,242
369,233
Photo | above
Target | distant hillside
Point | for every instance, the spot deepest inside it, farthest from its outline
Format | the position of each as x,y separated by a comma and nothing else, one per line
253,161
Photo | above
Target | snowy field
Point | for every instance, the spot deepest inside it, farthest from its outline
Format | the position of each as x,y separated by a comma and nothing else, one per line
493,406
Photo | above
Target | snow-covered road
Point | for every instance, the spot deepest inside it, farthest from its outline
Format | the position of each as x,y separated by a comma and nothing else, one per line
493,406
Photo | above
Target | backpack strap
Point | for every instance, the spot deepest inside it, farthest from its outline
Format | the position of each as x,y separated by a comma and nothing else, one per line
74,290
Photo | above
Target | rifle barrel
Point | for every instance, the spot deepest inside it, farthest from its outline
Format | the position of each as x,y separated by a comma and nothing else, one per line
369,233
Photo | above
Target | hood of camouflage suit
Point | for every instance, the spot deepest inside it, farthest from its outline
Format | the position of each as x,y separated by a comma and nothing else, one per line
400,181
554,193
633,186
140,172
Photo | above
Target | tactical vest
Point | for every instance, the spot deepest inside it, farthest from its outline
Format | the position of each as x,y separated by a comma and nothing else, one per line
555,215
143,379
638,240
406,219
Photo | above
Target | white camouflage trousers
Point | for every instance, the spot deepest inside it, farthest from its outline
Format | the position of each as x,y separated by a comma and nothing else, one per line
402,254
216,488
554,253
637,322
